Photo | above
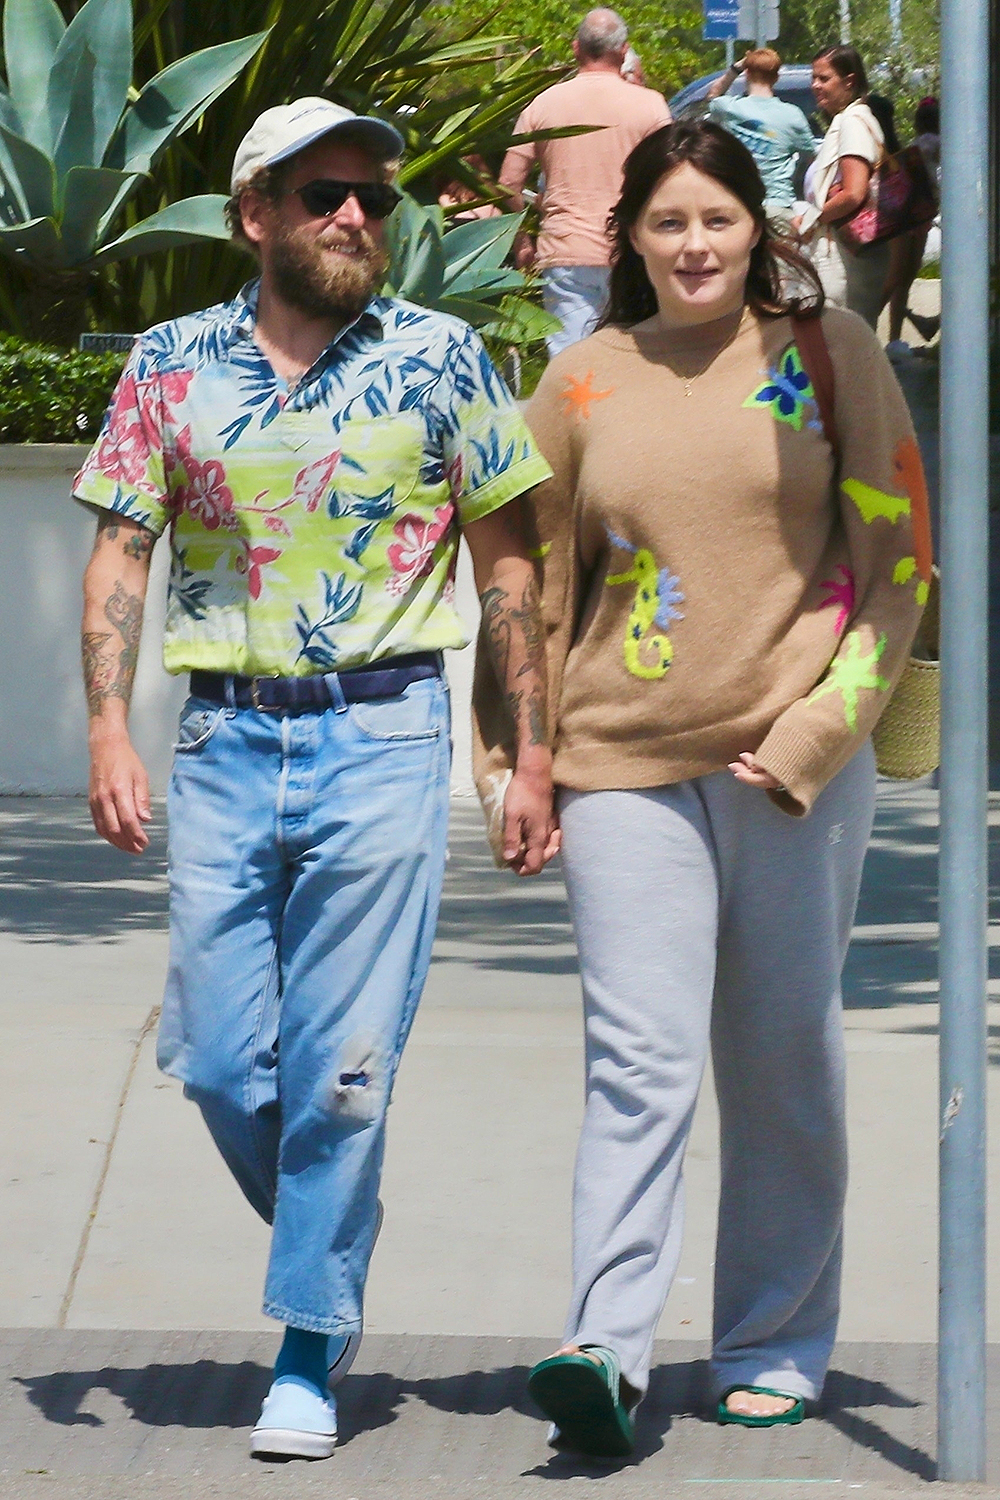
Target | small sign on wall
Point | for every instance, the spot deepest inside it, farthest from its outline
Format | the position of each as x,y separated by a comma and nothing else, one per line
106,343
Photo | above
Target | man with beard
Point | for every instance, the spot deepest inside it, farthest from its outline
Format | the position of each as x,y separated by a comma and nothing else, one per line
314,449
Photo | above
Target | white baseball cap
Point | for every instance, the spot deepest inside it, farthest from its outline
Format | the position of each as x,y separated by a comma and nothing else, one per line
287,128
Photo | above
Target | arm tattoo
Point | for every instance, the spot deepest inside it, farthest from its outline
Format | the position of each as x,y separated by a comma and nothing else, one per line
515,640
139,540
98,668
139,545
107,672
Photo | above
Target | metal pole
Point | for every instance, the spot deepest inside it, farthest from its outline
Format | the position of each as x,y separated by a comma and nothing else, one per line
964,760
845,20
730,50
896,22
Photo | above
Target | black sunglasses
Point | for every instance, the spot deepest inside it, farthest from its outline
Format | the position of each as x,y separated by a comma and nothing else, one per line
323,197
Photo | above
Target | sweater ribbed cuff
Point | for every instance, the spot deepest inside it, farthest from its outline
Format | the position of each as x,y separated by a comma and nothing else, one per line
794,759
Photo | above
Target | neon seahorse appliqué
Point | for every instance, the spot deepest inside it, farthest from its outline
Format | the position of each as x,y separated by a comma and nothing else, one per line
657,596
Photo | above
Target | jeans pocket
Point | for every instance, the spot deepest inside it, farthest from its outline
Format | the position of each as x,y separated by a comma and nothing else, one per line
198,723
419,713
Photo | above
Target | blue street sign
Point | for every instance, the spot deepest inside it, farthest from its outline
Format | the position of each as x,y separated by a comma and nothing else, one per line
722,20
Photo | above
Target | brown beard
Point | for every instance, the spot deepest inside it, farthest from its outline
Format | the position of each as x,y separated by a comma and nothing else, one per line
305,279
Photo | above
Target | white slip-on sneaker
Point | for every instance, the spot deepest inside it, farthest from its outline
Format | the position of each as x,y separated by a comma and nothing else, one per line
343,1351
348,1345
295,1422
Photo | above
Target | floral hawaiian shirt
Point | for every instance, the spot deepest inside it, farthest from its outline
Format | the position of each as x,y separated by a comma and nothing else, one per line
316,528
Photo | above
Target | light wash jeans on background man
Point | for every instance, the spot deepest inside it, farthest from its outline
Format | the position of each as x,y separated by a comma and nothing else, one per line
576,296
306,859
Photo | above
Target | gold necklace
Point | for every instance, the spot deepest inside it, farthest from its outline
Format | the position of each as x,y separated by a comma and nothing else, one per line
688,380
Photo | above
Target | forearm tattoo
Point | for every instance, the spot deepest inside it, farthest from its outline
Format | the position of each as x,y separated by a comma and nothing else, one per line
109,664
514,637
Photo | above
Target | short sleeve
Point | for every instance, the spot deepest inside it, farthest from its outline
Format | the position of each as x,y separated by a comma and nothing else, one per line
720,110
803,136
489,453
518,161
124,472
857,138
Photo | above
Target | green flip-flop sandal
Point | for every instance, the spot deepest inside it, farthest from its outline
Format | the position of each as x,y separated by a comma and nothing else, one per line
788,1418
583,1398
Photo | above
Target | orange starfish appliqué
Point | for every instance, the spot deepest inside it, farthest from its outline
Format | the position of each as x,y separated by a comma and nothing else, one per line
910,468
580,393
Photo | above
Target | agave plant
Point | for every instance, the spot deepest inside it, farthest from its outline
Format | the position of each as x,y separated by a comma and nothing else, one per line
77,140
447,99
461,269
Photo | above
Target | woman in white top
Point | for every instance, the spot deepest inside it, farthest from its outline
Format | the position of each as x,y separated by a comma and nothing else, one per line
839,185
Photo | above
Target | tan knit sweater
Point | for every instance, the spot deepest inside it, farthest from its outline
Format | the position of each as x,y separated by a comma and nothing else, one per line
713,582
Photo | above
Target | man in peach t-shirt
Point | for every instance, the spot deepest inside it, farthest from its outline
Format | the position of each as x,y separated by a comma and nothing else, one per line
582,173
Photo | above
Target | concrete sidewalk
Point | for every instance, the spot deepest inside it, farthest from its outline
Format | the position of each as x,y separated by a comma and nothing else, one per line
136,1355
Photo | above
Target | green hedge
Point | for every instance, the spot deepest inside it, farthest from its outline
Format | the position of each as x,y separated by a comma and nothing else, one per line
49,396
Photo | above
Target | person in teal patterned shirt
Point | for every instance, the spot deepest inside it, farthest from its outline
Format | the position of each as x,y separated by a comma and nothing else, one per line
314,451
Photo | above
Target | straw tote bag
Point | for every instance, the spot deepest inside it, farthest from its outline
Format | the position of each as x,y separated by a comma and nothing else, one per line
907,737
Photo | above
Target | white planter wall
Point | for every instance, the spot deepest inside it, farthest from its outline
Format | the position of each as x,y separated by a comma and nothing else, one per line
45,540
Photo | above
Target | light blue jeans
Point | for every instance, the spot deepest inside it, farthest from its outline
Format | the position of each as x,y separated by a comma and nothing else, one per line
576,296
306,859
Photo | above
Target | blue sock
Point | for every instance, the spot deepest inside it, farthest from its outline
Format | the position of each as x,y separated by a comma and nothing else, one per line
303,1355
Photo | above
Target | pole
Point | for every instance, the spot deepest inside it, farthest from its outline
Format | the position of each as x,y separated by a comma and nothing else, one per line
730,50
964,759
896,23
845,20
761,22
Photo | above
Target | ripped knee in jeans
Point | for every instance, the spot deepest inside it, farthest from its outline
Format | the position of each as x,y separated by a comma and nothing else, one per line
358,1085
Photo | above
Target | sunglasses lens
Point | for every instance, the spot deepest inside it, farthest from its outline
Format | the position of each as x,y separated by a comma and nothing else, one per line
324,198
377,199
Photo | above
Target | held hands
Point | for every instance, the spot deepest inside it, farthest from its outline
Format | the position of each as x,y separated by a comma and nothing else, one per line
750,773
531,835
119,792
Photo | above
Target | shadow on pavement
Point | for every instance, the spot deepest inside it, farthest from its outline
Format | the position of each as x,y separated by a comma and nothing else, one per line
845,1393
206,1393
203,1393
60,883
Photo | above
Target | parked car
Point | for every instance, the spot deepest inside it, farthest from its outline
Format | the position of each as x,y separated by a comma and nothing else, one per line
793,86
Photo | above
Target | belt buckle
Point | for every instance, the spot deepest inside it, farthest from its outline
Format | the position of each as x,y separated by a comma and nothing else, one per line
263,708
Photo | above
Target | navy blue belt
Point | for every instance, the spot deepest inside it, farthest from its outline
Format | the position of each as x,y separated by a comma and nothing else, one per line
312,695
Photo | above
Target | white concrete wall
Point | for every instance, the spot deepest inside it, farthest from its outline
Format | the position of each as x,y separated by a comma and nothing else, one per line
45,540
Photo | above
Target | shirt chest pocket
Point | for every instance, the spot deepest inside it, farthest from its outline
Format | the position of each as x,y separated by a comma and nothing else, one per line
371,465
379,466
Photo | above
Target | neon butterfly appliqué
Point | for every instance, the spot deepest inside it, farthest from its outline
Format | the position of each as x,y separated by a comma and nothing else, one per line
787,392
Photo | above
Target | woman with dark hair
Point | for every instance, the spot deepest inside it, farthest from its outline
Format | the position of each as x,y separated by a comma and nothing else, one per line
727,607
908,249
839,183
885,113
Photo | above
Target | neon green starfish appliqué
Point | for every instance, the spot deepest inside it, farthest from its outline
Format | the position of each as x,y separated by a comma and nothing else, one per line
873,503
850,672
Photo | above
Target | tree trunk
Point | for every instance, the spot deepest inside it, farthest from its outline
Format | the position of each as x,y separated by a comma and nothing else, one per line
53,308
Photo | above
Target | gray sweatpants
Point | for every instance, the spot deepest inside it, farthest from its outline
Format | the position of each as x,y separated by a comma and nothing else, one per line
700,911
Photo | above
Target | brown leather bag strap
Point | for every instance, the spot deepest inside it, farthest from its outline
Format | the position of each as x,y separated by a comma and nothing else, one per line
815,352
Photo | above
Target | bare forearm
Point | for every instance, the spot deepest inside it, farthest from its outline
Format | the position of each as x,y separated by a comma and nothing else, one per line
515,639
840,205
114,591
850,193
722,83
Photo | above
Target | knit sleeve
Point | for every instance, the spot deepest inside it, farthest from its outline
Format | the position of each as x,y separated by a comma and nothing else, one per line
882,499
549,516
